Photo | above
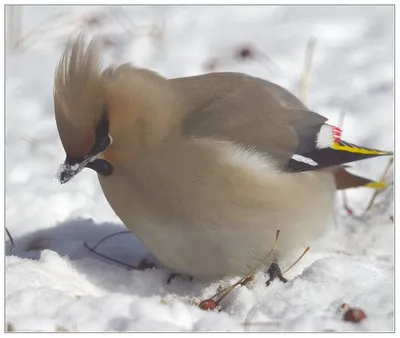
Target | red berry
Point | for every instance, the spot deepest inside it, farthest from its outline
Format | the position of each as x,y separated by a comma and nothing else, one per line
354,315
208,304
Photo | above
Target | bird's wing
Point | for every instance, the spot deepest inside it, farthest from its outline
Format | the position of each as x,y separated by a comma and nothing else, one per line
260,115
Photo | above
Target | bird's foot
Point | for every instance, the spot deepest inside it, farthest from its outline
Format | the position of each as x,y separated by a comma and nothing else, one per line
146,264
274,271
174,275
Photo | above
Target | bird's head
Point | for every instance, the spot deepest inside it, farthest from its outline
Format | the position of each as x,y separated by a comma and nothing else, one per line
103,114
81,110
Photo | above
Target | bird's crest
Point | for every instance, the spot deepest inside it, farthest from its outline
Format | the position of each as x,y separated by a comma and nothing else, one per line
79,95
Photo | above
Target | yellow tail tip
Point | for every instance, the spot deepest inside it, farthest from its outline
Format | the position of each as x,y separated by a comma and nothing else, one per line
376,185
352,148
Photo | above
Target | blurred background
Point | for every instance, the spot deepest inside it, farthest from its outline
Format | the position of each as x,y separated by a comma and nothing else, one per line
338,60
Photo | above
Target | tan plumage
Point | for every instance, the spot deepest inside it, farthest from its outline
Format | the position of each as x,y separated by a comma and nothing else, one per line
200,165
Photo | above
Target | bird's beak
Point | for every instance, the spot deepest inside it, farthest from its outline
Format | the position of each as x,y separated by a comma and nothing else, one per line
69,169
72,165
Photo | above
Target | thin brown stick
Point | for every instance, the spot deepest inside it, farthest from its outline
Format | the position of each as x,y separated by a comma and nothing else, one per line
346,205
36,30
121,10
109,236
248,317
109,258
11,240
341,119
265,59
298,260
305,78
93,249
14,24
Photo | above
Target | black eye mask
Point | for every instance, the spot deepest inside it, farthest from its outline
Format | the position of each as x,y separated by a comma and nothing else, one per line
73,165
103,140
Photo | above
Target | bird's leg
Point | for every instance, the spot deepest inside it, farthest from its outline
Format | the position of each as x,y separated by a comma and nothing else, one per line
275,271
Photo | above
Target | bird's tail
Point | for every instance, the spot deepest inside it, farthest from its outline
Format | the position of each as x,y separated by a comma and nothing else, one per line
331,151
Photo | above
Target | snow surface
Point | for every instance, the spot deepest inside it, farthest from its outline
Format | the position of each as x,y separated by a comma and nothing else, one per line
53,283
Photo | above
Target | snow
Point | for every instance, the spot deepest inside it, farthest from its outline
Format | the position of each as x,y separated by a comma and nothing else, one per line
53,283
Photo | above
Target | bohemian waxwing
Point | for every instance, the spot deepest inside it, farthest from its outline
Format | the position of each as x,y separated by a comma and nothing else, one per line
205,169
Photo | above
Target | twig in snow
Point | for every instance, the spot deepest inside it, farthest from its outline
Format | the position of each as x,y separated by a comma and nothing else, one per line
10,327
11,240
342,115
298,259
38,33
93,250
346,207
250,314
244,52
111,235
248,317
131,267
305,78
249,52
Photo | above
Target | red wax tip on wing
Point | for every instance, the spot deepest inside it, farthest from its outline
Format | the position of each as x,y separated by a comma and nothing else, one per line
337,133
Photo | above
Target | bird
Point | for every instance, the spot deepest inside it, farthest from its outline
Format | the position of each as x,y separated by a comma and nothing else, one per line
204,169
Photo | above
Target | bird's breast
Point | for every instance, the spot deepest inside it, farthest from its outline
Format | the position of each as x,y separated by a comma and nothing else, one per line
206,213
